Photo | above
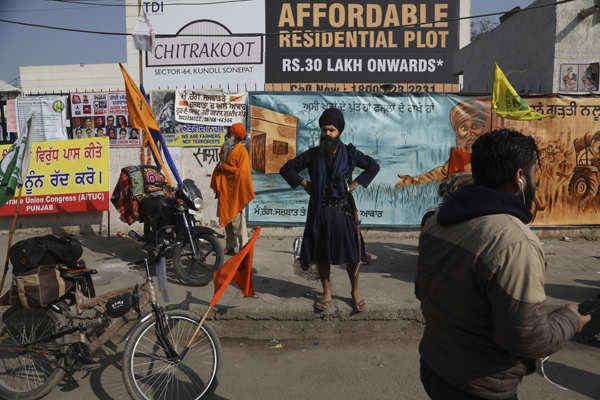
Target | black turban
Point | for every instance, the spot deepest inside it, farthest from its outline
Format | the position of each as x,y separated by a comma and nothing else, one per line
333,116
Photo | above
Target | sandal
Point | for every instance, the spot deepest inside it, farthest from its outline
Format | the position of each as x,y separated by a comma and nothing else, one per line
358,306
321,305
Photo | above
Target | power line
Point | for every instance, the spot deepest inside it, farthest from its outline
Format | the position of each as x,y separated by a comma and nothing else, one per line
279,33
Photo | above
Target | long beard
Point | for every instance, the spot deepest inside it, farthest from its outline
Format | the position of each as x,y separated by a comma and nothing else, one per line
328,145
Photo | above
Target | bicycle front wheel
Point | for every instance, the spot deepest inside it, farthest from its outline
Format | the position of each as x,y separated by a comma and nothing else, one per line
148,372
28,373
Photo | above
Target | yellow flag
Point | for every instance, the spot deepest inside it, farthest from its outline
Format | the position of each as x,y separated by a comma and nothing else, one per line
141,116
507,103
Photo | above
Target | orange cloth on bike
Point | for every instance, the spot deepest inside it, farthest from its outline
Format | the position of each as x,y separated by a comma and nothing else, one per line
233,184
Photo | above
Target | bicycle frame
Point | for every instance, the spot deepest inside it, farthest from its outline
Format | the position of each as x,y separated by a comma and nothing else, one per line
147,295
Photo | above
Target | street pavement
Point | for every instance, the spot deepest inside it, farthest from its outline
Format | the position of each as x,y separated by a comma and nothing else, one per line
283,305
337,354
338,369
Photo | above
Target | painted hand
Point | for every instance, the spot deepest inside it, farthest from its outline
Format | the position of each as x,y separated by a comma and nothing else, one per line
407,180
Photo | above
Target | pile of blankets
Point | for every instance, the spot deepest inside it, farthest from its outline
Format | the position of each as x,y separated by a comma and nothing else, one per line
135,183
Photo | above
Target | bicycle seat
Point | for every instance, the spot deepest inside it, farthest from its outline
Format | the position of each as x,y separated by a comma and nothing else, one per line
76,274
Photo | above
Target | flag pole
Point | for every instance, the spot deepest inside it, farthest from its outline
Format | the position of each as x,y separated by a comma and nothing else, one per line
189,343
10,237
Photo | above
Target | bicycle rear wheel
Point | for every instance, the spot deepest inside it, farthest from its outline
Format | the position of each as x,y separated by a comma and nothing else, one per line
149,374
28,373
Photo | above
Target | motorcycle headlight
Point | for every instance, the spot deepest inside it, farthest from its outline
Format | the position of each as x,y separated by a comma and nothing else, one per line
197,203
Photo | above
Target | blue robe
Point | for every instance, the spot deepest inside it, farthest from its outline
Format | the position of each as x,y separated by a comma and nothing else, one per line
332,186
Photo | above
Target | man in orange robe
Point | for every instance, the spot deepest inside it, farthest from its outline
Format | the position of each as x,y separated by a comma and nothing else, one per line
232,183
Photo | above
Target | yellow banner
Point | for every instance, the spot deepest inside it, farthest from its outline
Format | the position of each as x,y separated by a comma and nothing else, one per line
67,166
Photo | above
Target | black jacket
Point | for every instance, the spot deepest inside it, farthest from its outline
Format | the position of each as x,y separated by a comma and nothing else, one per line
480,280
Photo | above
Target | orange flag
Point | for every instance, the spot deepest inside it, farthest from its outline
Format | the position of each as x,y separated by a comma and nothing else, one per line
237,269
458,161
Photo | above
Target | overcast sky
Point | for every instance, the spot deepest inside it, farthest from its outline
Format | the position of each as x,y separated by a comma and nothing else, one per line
25,46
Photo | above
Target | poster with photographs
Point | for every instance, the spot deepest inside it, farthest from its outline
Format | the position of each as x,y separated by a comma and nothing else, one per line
103,114
182,135
579,77
588,77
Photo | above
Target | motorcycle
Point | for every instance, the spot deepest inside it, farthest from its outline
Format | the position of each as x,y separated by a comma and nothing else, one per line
193,250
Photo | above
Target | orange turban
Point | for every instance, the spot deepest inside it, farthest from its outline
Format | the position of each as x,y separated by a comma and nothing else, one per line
238,130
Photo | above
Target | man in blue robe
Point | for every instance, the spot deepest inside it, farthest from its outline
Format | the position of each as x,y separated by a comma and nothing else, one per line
331,234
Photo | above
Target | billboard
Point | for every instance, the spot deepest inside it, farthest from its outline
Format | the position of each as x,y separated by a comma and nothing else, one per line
365,43
387,46
201,46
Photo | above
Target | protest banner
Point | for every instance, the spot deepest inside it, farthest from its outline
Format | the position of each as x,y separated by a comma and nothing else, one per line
52,116
177,134
64,176
209,108
99,114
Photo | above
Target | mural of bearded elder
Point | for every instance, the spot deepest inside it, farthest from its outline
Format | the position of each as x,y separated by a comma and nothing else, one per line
568,190
469,120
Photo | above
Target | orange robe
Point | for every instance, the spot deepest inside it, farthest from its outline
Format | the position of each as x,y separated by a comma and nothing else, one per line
233,184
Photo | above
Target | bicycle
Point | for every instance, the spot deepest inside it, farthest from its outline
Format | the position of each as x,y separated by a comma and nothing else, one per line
167,355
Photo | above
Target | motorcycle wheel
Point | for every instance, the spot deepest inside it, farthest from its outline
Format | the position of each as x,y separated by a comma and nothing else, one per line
200,272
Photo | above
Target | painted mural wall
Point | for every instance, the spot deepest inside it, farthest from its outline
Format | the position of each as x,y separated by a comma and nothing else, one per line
411,137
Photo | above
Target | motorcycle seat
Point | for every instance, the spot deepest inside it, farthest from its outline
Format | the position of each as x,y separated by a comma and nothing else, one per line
77,274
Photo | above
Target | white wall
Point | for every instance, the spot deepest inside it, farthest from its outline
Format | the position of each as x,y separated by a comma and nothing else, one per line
523,46
576,39
67,78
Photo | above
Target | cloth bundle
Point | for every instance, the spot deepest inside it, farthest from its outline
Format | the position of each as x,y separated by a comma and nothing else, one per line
135,183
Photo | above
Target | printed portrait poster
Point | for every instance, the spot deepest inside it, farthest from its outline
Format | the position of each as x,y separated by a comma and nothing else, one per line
569,77
64,176
588,77
103,114
178,134
230,55
579,77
